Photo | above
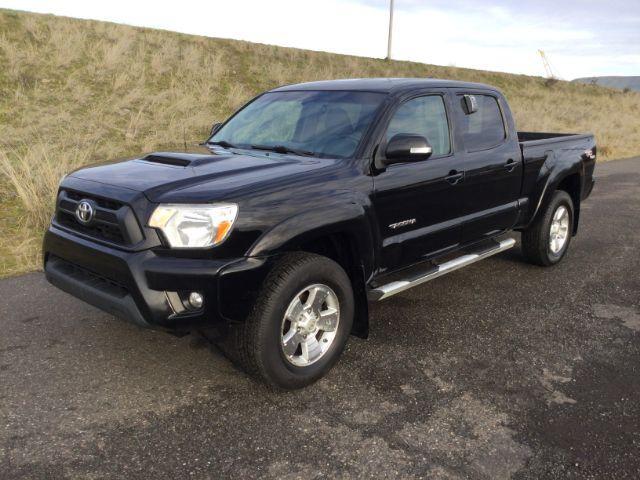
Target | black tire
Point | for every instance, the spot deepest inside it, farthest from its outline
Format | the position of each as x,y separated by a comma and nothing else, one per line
255,345
535,239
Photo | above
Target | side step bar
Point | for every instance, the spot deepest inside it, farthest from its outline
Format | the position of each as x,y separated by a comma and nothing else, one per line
385,291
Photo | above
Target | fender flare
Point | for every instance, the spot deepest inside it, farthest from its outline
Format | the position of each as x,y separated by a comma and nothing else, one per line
340,216
550,177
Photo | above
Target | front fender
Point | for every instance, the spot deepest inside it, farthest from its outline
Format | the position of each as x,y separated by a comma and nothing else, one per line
343,215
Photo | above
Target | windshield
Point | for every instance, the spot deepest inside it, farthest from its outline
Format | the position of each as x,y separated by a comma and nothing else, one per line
320,123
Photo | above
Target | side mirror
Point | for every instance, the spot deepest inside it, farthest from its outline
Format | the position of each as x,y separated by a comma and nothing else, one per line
215,127
469,104
407,148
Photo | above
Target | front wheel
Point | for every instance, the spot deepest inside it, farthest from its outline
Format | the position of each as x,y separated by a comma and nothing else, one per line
299,324
547,240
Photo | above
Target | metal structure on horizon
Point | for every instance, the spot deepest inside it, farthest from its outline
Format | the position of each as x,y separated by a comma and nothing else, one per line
547,66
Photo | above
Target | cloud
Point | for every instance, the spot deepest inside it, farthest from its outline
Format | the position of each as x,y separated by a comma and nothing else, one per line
575,33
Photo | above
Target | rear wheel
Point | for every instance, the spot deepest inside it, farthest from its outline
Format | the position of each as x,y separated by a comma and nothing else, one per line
547,240
299,324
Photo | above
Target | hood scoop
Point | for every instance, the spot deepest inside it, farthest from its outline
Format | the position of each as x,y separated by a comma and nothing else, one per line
180,159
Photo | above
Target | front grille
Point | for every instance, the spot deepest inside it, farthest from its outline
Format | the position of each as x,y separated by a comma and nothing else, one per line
113,222
104,231
102,202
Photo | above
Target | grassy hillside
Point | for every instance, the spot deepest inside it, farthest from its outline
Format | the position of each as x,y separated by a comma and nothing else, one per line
629,83
76,91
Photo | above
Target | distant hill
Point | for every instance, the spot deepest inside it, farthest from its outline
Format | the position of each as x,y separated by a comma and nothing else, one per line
632,83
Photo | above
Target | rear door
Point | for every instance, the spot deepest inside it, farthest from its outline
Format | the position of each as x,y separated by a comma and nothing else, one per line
418,204
492,164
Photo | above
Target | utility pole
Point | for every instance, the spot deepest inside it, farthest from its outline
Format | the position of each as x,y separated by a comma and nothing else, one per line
390,29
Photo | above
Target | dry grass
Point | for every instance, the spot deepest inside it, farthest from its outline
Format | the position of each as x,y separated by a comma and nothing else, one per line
34,174
76,91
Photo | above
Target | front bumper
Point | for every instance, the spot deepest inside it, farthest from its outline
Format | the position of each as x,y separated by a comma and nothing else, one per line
141,286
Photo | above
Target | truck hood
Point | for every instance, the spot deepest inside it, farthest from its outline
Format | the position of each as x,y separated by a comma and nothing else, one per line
180,177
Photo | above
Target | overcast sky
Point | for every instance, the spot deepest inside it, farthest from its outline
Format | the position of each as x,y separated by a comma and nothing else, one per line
580,37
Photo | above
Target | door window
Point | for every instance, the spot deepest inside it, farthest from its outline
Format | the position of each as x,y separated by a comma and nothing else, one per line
484,128
424,116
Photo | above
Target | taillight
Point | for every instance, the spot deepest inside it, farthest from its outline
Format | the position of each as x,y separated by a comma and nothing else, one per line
589,154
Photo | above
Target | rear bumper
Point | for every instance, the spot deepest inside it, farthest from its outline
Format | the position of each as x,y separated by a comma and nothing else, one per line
144,287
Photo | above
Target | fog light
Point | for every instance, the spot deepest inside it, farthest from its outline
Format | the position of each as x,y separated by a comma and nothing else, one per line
196,300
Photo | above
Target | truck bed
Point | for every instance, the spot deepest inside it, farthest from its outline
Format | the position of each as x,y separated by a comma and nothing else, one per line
539,138
538,147
538,144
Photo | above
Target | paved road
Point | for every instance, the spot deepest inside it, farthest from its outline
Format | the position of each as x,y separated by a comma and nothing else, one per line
501,370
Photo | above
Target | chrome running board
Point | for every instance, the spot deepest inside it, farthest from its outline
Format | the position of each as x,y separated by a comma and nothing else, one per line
385,291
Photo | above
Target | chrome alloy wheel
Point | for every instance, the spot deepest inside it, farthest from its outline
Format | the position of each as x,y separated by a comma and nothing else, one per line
559,230
310,325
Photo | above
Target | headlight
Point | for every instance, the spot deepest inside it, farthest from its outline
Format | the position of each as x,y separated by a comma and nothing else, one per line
194,226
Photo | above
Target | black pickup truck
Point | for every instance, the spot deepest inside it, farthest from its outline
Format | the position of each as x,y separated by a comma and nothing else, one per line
306,204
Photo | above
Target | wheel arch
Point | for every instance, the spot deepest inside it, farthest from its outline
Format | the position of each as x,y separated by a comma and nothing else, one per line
342,248
572,184
570,181
340,231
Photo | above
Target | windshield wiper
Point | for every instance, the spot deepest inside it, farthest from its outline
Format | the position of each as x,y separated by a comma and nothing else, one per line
284,149
223,144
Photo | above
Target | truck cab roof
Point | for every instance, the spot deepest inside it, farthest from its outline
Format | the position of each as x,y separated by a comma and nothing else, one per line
383,85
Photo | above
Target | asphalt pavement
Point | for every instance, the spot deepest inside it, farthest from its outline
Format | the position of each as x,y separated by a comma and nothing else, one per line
499,370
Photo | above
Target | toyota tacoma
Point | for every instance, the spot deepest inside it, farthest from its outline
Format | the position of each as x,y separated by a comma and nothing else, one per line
306,204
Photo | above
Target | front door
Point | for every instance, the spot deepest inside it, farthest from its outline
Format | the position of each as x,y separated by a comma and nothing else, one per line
417,204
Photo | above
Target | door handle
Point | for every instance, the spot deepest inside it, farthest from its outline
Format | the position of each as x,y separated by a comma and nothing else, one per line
454,177
510,165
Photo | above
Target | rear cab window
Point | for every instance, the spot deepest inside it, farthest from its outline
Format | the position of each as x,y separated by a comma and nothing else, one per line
483,129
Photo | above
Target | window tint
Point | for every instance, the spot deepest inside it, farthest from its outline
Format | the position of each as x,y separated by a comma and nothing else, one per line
484,128
424,116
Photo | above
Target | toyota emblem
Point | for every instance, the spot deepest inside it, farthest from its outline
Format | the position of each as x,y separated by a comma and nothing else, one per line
85,212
